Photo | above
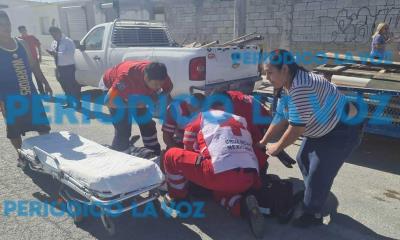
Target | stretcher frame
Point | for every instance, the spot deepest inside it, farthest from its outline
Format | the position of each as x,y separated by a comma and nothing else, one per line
71,187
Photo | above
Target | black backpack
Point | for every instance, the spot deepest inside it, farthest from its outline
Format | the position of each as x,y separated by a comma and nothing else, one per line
276,198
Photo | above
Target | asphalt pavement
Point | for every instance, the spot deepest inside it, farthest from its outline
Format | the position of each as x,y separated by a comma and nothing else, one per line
364,202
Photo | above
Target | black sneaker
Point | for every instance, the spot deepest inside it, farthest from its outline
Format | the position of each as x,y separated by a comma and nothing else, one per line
252,212
308,220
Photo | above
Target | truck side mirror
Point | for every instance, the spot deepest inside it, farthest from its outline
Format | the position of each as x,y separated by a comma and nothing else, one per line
79,46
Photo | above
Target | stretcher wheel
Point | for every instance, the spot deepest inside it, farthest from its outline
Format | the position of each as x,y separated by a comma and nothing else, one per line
78,218
108,224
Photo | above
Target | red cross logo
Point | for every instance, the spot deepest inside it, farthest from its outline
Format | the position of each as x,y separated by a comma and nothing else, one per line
235,126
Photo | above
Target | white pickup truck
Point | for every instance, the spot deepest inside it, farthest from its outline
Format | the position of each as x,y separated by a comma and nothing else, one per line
108,44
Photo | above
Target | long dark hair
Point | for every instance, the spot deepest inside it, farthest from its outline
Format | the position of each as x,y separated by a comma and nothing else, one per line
280,57
156,71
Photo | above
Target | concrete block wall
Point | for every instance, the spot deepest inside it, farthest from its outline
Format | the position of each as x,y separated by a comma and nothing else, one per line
328,25
335,25
201,21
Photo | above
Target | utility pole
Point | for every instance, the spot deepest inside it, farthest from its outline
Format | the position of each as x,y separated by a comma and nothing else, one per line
240,18
117,8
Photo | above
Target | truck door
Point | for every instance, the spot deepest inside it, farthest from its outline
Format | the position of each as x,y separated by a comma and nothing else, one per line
91,60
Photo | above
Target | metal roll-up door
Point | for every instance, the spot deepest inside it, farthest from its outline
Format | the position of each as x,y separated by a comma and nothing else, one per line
77,25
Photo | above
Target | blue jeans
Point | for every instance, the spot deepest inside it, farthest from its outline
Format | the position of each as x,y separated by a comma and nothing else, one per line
321,158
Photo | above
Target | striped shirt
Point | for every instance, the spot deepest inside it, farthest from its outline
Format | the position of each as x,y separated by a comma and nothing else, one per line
312,102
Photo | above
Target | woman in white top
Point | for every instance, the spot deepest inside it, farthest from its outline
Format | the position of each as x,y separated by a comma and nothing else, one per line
311,107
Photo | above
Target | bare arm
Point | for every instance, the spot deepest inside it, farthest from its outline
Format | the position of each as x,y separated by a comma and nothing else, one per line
35,67
52,49
274,131
289,137
39,48
41,78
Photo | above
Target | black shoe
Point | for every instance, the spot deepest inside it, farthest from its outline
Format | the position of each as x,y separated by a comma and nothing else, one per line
307,220
251,211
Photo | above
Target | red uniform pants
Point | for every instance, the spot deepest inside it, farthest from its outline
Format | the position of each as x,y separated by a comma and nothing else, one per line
180,167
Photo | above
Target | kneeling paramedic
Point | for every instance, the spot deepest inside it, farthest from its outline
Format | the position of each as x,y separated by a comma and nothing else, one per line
224,163
139,79
179,114
244,105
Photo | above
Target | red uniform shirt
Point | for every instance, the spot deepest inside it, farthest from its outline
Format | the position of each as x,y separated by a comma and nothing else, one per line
174,125
33,43
243,106
128,78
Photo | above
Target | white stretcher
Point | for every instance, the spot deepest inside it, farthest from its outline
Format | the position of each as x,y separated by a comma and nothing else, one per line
93,174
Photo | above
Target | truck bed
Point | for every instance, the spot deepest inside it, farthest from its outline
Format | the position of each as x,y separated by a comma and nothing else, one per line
362,76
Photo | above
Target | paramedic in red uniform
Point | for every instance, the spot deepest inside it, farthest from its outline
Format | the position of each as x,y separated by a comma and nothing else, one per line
178,116
140,78
244,105
225,164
